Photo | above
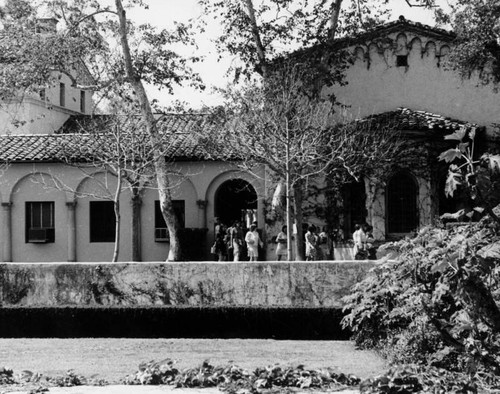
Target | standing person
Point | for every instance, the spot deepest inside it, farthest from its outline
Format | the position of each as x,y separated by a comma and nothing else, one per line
229,245
311,243
371,249
220,244
253,242
324,244
236,240
359,238
281,240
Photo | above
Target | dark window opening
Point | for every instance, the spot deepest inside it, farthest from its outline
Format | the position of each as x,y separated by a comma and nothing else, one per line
62,94
402,213
402,61
161,229
102,221
40,222
82,101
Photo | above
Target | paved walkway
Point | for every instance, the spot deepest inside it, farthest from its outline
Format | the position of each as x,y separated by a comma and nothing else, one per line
121,389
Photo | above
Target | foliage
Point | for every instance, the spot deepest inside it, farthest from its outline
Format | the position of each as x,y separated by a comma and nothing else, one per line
71,379
415,379
6,376
477,46
32,68
260,33
38,383
478,176
233,379
437,304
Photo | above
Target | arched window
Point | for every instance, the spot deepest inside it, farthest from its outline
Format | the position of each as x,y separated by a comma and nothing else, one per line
401,198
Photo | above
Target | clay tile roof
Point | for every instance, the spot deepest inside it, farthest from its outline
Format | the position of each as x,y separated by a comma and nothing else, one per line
399,25
410,120
177,131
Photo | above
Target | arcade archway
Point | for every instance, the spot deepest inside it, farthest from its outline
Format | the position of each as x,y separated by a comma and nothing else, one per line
235,199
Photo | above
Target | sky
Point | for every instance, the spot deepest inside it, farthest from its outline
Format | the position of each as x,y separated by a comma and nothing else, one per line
162,13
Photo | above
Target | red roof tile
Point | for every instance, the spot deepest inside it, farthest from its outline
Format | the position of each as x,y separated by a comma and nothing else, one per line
177,132
405,119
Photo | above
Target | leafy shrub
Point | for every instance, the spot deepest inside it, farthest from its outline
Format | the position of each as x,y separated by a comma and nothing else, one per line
415,379
437,305
232,378
6,376
69,380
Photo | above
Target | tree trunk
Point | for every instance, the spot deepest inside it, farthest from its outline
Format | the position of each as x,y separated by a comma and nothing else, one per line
136,224
334,19
297,199
261,50
160,164
116,206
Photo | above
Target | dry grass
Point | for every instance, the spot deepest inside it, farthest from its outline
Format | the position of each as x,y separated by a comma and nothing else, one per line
114,358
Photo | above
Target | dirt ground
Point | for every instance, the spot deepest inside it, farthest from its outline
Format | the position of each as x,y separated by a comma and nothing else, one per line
112,359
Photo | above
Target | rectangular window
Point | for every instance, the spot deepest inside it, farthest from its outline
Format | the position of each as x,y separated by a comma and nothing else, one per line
82,101
102,221
402,61
40,222
62,94
161,230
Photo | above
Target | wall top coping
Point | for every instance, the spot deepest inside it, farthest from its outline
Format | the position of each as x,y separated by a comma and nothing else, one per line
321,262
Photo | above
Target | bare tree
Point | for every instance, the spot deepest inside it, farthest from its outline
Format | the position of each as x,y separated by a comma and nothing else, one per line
295,136
119,145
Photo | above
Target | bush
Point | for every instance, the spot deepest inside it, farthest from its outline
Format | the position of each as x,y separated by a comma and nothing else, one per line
437,305
232,378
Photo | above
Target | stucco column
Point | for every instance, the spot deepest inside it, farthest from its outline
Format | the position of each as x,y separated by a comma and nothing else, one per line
7,232
202,205
71,226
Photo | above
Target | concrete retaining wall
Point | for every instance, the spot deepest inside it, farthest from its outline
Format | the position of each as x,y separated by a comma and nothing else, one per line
299,284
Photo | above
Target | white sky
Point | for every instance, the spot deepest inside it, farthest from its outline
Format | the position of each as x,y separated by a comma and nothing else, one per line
163,12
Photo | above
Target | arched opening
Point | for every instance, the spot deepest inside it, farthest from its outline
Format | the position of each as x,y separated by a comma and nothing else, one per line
401,199
235,199
354,196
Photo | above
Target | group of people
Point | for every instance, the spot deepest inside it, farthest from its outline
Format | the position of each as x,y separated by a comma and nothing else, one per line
234,243
317,247
316,244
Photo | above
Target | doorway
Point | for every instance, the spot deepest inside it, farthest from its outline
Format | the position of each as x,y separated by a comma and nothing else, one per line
235,199
402,212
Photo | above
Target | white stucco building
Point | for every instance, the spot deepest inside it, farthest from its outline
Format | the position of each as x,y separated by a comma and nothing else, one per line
398,78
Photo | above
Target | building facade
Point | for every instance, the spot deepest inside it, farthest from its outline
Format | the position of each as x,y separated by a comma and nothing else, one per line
55,212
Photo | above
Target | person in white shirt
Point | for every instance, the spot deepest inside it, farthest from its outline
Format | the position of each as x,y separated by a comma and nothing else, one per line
359,238
253,242
281,240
